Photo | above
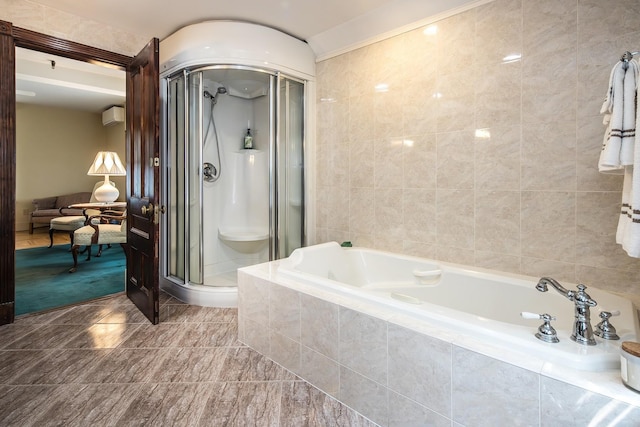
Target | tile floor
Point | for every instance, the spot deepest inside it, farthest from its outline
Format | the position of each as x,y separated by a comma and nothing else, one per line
103,364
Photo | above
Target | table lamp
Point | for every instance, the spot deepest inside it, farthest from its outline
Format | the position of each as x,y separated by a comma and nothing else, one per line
107,163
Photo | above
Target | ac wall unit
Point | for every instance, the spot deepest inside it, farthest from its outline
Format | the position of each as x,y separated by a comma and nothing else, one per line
113,116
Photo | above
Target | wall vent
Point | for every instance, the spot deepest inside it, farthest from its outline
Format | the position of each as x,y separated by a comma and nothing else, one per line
113,116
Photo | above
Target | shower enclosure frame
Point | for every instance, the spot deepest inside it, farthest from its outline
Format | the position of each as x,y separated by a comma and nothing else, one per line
278,135
256,47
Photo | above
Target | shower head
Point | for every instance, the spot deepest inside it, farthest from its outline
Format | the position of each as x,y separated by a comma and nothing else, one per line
220,90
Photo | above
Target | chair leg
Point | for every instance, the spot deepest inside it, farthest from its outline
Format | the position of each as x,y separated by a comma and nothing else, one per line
74,253
71,240
50,236
88,249
99,251
30,228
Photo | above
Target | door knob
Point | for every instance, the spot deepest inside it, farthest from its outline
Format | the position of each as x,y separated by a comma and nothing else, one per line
147,211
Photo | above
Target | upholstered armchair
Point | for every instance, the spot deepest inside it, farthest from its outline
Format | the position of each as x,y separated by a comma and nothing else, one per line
107,228
73,218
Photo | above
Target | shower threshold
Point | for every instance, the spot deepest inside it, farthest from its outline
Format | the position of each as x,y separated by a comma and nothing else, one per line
228,279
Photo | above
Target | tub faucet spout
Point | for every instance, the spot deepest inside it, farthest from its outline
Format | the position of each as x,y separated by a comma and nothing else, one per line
545,281
582,330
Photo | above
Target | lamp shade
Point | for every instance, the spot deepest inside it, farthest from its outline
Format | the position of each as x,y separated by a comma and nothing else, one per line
107,163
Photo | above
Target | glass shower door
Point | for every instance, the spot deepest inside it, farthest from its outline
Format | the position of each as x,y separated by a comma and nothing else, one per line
175,242
194,178
290,167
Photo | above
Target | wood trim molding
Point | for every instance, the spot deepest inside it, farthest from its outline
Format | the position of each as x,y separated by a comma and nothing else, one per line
7,173
44,43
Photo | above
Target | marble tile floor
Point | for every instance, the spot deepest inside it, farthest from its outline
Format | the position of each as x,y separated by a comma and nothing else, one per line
103,364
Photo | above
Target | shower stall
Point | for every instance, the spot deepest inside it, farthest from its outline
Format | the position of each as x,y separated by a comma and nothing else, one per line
235,101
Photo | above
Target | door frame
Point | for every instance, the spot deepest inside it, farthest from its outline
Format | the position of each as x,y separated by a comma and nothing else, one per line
10,38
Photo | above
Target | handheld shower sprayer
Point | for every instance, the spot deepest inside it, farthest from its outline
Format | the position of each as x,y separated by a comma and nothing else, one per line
220,91
211,173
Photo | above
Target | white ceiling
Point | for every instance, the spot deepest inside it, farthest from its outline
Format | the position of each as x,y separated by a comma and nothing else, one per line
329,26
67,83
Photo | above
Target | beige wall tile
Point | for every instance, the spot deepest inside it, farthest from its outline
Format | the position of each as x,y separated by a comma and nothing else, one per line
361,117
421,371
363,344
388,169
361,163
548,225
542,114
549,26
388,213
359,73
497,222
549,156
497,158
320,325
499,27
455,218
362,200
514,402
419,159
338,208
284,311
498,94
419,215
455,40
455,92
455,160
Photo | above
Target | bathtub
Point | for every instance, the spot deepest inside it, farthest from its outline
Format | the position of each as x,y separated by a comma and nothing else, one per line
479,304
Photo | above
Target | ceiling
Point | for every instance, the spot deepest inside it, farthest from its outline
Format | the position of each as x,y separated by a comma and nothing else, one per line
49,80
328,26
304,19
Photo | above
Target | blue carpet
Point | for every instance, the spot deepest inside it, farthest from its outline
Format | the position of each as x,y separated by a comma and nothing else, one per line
43,280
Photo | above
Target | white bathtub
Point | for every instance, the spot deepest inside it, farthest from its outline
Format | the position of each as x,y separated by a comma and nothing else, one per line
478,303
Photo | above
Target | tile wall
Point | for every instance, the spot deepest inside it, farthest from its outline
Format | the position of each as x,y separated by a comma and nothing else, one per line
435,143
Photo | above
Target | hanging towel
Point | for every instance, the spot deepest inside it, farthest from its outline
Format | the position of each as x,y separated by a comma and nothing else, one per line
628,233
619,109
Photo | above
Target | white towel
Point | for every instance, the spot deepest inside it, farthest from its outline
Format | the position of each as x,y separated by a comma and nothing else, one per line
628,233
619,108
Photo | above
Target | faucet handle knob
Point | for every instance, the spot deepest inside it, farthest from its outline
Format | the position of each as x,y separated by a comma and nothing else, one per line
605,329
607,314
529,315
546,332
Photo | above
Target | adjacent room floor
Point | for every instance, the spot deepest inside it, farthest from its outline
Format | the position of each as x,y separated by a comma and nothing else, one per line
102,363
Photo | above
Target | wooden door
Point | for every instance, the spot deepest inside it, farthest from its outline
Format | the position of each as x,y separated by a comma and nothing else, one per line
143,180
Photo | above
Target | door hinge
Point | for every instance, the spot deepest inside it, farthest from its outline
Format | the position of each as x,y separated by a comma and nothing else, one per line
156,161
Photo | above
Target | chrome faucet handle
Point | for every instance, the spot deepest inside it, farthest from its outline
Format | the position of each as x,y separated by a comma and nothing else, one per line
605,329
581,297
546,332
